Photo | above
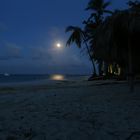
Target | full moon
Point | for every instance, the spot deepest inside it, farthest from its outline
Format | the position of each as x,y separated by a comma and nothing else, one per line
58,45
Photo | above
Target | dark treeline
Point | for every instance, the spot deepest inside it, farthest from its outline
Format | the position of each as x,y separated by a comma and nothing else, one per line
111,38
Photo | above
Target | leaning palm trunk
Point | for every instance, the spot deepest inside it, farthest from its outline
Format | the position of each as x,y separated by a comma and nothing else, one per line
78,37
88,50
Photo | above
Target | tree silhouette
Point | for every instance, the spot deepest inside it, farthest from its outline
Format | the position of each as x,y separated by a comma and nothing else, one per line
78,37
98,8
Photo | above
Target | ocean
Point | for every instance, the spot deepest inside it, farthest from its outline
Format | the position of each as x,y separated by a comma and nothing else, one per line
32,78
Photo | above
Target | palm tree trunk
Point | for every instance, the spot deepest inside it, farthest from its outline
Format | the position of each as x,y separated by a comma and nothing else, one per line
130,60
88,50
100,65
130,64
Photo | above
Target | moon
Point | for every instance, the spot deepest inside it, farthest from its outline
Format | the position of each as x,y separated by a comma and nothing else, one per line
58,45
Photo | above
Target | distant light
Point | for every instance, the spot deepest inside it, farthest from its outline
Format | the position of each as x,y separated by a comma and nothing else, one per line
6,74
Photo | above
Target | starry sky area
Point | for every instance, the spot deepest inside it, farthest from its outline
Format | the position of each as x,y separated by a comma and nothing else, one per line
29,30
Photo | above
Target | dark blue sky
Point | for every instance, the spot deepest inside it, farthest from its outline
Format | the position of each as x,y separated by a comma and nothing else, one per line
29,30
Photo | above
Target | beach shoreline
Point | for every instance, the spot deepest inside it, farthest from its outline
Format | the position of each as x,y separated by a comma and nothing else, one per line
68,110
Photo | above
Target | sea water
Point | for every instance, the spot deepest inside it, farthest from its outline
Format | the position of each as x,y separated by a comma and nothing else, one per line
32,78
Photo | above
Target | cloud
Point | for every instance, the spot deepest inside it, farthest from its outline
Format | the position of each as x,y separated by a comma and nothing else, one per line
42,59
54,57
39,53
55,32
10,51
45,58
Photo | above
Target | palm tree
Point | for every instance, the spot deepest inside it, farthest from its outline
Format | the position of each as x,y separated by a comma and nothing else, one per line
78,37
97,8
126,32
120,38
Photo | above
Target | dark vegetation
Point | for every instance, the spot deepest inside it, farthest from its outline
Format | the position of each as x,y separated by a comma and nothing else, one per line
112,40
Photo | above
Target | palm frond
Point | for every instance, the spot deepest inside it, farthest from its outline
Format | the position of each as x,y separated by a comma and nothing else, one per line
106,4
94,4
109,12
75,37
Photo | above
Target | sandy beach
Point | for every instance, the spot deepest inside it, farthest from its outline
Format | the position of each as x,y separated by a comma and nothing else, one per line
70,110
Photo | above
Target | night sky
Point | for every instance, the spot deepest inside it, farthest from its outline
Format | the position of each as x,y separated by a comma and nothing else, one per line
29,30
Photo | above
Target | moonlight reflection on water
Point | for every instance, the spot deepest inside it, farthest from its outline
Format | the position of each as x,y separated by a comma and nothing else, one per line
57,77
